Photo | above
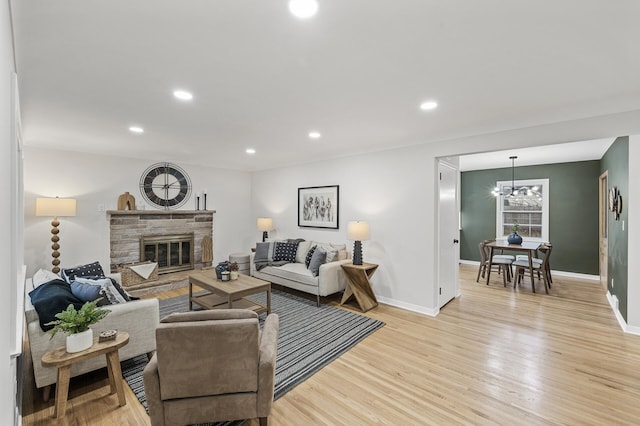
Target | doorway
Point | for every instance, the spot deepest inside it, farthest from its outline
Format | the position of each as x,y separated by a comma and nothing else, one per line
603,233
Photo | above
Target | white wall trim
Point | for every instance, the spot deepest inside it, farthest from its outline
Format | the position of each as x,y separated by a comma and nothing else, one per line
408,306
554,272
613,302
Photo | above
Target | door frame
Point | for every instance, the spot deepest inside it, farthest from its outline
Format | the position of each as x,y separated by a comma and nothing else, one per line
603,229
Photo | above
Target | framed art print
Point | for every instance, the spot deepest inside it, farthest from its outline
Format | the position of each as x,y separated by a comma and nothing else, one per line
318,207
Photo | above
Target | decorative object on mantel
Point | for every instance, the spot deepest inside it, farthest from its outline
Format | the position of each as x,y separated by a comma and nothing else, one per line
126,201
514,238
357,231
165,185
55,207
264,224
207,250
77,323
318,207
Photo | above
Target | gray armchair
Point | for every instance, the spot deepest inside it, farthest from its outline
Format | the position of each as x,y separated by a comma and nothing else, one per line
212,366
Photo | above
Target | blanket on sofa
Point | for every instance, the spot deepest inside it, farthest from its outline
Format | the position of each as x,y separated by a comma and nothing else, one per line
264,263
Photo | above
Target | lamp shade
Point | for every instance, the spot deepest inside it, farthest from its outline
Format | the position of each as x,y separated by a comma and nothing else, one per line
358,231
265,224
55,207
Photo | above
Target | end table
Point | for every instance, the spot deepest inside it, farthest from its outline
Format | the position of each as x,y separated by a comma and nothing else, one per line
359,286
63,360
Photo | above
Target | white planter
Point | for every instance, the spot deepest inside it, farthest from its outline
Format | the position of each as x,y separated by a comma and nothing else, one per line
80,341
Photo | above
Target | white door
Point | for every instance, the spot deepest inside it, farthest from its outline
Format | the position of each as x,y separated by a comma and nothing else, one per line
448,233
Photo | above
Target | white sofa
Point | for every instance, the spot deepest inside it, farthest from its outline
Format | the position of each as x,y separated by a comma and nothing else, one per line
331,278
139,318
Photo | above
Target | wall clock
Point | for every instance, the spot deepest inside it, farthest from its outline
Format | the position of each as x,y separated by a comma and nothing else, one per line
165,185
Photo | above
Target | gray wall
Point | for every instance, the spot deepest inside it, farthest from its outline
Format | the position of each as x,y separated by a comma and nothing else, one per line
573,211
616,162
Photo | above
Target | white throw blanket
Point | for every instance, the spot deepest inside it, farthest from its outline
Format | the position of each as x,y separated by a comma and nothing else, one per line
145,269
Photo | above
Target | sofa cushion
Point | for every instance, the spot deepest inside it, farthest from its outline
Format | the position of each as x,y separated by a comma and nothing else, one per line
301,252
332,253
90,269
285,252
293,272
319,257
51,298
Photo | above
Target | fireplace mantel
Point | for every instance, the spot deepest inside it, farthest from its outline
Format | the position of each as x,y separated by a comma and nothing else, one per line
157,212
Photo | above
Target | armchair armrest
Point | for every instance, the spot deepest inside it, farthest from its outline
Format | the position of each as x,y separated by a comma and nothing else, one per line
267,364
151,381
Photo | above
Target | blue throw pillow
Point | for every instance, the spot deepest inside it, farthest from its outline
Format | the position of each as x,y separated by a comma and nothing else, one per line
51,298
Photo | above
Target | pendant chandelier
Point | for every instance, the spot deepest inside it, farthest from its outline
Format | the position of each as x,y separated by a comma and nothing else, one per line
512,191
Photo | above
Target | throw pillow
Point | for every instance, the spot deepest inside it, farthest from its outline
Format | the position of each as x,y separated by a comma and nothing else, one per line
307,260
43,276
88,270
126,296
285,252
262,252
87,292
301,252
51,298
318,258
107,290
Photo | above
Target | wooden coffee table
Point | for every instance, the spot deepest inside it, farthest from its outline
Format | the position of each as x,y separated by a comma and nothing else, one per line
63,360
228,294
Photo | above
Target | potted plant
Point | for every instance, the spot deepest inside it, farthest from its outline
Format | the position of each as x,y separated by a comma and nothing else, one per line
514,238
76,323
233,270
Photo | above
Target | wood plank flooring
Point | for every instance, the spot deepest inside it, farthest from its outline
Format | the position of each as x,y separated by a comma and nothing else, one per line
494,355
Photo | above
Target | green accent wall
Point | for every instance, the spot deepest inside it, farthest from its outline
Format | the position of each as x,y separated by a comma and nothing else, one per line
573,211
616,162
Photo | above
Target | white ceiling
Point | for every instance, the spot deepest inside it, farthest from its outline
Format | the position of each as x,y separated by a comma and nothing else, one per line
356,72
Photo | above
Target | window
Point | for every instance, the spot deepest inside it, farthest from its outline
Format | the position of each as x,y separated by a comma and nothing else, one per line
528,206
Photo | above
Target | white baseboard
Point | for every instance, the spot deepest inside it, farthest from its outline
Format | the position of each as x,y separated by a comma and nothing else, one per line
408,306
553,272
614,303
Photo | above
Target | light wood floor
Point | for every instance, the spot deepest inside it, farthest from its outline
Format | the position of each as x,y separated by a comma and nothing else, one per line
494,355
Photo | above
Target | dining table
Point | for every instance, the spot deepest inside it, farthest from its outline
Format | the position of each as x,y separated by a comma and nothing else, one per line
530,247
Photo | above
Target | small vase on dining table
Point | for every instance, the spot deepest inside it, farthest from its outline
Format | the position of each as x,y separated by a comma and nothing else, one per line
514,238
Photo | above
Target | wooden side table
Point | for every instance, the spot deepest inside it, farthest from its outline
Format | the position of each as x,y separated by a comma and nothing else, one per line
63,360
359,286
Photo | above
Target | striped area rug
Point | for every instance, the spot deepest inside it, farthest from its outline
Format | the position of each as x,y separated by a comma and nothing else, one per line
310,338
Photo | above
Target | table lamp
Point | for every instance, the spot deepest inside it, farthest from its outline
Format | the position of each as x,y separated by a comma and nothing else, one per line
357,231
265,224
55,207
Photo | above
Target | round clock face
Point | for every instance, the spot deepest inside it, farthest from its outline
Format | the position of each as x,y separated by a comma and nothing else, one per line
165,185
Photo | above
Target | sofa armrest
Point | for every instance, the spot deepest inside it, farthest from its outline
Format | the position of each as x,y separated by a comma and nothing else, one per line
331,277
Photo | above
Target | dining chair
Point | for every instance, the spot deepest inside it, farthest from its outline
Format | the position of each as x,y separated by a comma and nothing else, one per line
544,250
502,263
541,266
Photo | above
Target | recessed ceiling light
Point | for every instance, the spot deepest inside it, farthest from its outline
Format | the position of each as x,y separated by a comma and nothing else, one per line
303,8
428,105
250,151
183,95
314,135
136,129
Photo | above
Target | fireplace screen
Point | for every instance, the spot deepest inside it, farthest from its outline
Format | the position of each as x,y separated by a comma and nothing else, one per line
172,252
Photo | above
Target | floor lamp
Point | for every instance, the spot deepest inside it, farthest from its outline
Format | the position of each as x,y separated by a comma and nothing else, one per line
357,231
264,224
55,207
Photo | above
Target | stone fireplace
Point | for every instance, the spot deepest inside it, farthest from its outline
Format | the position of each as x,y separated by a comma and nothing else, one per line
171,238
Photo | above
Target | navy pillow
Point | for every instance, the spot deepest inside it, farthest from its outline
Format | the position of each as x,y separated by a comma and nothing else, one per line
285,252
126,296
89,270
51,298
